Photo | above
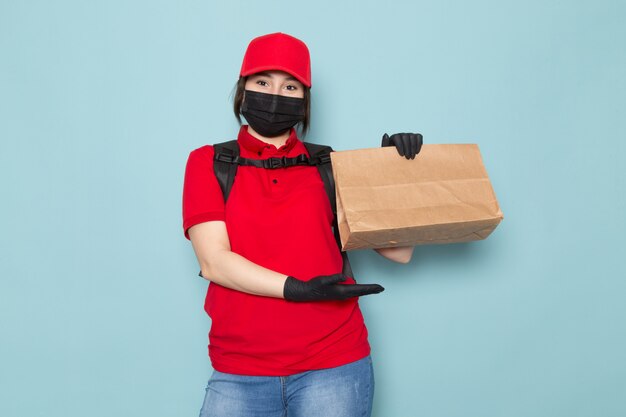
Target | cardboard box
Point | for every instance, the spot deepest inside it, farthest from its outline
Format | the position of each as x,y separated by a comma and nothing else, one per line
385,200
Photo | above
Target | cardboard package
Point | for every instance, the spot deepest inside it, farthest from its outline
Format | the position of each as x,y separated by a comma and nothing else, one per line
385,200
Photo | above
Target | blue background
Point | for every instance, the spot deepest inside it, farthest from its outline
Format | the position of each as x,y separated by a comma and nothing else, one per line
100,103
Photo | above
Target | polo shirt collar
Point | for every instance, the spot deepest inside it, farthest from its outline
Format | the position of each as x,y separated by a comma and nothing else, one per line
255,145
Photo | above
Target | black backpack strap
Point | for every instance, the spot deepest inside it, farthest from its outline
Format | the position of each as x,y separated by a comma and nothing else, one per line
320,156
225,164
226,159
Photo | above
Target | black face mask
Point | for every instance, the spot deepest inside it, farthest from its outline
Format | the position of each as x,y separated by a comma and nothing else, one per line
272,114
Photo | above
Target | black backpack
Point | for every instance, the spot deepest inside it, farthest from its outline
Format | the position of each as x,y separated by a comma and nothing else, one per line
226,160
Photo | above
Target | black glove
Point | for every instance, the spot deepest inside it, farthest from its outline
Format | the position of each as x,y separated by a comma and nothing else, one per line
407,144
325,287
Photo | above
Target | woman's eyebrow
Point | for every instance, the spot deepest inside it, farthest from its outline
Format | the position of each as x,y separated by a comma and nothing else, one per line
267,74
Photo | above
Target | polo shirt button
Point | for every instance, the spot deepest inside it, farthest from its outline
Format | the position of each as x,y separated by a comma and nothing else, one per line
274,180
259,153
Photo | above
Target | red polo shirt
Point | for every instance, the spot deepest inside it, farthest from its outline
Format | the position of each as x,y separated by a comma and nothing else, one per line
280,219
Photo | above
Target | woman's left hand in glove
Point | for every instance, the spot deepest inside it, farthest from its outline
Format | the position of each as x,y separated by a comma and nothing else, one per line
407,144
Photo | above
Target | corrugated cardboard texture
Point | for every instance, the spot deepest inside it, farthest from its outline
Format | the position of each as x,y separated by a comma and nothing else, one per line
385,200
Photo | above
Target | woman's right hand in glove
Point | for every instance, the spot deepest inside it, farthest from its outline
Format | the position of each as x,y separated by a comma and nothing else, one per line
326,287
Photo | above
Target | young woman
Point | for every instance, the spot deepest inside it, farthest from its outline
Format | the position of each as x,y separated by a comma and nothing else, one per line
287,336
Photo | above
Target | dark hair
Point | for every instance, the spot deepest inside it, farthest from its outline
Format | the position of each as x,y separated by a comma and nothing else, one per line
304,125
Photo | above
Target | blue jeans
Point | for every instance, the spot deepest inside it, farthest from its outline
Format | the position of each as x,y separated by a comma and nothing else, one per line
343,391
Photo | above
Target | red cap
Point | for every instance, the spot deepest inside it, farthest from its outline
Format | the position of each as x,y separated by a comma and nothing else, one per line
278,51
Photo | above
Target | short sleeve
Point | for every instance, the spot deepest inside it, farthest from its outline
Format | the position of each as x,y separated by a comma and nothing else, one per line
202,196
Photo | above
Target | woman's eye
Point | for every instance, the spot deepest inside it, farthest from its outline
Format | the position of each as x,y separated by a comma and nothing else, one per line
294,87
261,81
